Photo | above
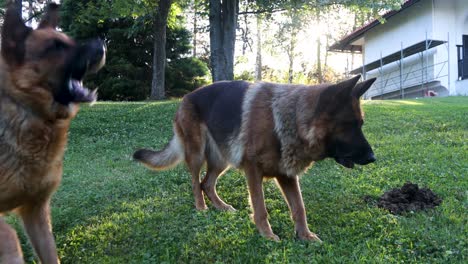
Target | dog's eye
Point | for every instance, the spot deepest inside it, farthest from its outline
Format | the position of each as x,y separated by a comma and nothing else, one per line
58,45
55,46
52,48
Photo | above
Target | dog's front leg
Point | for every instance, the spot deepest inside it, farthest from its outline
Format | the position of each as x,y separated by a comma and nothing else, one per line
260,214
36,221
10,250
292,193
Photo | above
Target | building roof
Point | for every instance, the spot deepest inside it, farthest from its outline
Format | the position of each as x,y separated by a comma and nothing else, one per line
408,51
345,44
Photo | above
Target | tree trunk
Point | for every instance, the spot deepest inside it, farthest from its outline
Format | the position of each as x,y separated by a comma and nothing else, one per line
217,67
258,59
195,29
292,55
319,48
159,52
319,62
245,35
223,23
19,7
325,60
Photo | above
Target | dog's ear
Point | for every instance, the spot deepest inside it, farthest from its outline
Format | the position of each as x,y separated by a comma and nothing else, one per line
14,34
343,90
51,17
336,96
362,87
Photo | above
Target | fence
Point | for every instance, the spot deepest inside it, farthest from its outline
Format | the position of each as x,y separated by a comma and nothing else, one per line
413,69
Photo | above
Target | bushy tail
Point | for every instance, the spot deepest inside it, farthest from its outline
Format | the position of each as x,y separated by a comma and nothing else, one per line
171,155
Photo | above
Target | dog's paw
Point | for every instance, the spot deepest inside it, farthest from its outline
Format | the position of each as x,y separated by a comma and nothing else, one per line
15,259
230,209
272,237
201,207
308,236
226,207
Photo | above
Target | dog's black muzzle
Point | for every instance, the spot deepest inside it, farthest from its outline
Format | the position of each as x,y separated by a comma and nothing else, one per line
369,157
87,58
358,153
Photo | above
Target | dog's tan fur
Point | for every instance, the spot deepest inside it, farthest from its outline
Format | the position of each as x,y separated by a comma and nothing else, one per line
33,134
283,130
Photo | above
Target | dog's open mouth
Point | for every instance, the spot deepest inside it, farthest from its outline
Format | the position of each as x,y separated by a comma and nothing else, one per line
89,58
345,161
81,94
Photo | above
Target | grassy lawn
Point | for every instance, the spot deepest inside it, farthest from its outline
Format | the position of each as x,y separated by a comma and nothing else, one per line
111,210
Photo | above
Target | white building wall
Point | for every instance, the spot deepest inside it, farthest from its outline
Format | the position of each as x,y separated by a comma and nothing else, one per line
408,27
404,29
414,72
449,16
452,22
447,21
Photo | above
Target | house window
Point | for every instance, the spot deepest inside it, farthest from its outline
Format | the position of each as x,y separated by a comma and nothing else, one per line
462,54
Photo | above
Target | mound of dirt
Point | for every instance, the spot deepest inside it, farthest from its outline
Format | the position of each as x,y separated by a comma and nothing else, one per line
408,198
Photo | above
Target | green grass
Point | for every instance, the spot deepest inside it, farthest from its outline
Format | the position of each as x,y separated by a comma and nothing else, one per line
111,210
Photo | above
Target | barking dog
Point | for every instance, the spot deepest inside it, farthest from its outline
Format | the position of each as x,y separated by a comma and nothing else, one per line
41,74
267,130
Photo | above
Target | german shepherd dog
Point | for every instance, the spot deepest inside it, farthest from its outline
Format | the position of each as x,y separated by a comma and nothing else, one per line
269,131
41,74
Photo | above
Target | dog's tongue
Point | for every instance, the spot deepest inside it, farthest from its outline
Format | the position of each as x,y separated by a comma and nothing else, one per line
81,94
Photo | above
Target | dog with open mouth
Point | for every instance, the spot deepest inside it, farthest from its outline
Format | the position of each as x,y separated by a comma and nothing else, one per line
41,74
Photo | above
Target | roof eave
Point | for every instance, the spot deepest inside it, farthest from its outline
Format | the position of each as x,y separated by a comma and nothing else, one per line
344,45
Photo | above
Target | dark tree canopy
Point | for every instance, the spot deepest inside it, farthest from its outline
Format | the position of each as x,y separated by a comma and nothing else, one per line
137,50
128,72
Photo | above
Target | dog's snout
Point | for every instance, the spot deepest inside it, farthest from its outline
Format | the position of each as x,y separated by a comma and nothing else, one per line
369,159
98,46
94,52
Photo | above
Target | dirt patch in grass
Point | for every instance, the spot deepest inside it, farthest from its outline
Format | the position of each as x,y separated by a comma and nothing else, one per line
408,198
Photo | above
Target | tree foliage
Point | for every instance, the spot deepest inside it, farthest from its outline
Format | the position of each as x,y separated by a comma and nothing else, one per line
224,12
127,28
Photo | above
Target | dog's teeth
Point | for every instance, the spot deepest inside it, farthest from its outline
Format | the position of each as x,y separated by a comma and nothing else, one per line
70,85
94,96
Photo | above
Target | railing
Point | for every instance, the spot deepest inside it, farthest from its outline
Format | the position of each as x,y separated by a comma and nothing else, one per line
410,74
415,74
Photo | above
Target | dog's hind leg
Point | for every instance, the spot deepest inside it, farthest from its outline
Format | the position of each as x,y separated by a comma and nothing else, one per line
193,135
194,163
10,250
292,193
36,221
214,170
194,158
